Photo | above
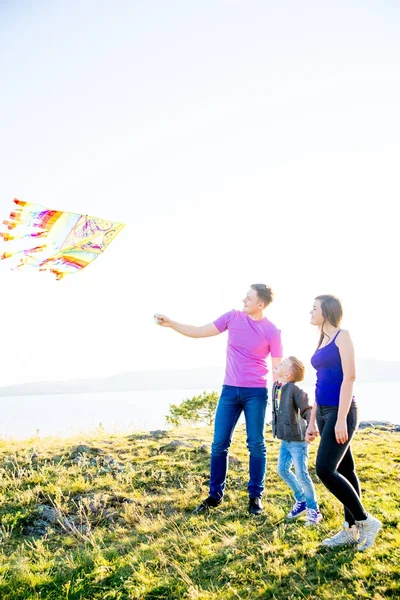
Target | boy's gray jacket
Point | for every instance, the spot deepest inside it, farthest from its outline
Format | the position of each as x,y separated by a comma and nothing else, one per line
291,420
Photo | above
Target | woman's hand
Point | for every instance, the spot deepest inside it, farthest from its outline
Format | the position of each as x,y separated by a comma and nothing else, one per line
311,433
341,433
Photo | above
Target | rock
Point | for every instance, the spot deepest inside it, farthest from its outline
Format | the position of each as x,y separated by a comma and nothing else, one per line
38,529
97,507
103,462
49,513
118,499
179,443
110,465
381,425
365,424
138,436
109,514
233,460
94,502
42,520
204,448
159,433
169,511
174,444
82,449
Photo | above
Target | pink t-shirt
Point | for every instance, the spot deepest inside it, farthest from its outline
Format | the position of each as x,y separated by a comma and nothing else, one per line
249,344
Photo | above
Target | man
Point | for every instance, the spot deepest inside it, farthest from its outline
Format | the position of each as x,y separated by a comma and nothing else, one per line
251,339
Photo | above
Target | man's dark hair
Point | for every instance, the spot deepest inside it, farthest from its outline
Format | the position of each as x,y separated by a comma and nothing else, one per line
264,292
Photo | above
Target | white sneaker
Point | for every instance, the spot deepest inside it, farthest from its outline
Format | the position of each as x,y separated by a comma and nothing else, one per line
313,517
347,536
368,530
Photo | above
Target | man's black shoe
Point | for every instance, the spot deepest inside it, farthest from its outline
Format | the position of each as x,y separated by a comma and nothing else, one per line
255,506
205,506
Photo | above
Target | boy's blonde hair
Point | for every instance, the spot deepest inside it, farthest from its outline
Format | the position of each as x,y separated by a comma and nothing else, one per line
298,369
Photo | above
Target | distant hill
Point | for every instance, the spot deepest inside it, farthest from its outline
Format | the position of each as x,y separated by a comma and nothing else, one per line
207,378
199,378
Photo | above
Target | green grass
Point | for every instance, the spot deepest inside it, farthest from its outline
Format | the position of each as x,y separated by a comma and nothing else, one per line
123,528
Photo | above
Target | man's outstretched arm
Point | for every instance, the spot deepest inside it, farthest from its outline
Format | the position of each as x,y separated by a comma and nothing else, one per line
189,330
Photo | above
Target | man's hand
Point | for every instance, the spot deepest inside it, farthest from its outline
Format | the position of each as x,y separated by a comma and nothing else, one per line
162,320
189,330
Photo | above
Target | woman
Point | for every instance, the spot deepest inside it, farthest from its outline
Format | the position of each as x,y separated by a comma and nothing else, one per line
334,414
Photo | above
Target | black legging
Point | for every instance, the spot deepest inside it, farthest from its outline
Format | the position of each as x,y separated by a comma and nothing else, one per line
335,464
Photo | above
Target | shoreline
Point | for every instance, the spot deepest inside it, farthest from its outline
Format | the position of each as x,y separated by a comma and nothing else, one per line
100,430
383,425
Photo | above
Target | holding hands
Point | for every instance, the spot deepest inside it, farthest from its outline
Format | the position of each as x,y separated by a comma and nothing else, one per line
311,433
341,433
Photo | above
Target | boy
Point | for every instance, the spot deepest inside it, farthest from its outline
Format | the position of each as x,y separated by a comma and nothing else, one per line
290,416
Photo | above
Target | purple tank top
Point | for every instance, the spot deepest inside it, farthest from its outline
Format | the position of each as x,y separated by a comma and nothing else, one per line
328,365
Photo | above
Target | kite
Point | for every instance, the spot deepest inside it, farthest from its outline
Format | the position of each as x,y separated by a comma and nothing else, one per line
54,241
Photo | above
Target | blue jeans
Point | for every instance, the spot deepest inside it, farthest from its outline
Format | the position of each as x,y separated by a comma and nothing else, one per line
233,401
296,454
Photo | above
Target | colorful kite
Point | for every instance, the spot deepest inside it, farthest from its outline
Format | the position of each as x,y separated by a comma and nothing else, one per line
55,241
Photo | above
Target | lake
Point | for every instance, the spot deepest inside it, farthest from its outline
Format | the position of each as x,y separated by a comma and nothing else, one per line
67,414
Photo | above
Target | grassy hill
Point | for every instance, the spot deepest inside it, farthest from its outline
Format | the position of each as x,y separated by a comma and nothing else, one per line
108,517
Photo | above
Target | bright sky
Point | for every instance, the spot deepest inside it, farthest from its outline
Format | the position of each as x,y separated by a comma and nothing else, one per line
241,142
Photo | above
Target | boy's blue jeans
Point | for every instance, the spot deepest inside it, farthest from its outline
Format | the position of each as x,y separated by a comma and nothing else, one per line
296,454
234,401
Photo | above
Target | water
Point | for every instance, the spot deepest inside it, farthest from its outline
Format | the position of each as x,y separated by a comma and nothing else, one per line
24,416
377,401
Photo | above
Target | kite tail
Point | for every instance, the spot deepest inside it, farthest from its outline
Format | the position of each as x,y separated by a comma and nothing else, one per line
26,252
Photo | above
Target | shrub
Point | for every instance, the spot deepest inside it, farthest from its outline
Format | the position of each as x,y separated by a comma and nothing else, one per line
199,409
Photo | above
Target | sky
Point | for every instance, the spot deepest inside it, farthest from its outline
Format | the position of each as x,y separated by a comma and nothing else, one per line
241,142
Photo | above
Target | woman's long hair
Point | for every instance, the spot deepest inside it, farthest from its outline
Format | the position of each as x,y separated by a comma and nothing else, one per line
332,311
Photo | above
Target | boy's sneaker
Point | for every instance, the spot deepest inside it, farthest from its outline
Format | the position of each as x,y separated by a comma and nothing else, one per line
205,506
368,530
313,517
298,509
347,536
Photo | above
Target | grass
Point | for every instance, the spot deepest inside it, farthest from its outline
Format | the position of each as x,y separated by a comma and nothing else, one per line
113,521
